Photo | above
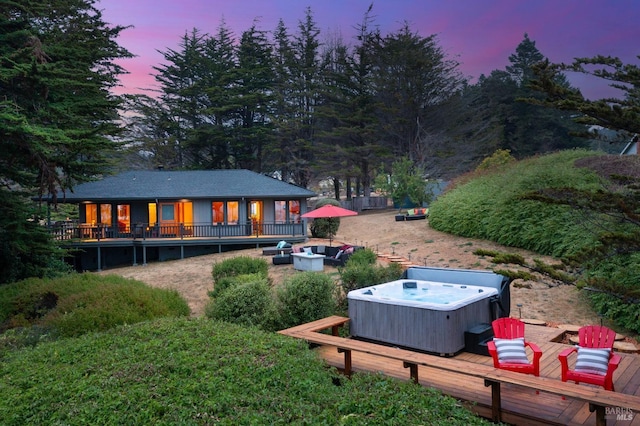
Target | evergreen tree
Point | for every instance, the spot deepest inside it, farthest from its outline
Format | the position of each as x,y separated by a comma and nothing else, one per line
253,98
470,127
57,117
282,154
215,137
414,78
349,142
183,97
305,74
151,137
523,60
520,126
615,113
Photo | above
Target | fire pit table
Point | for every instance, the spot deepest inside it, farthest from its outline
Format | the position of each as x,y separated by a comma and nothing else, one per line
308,261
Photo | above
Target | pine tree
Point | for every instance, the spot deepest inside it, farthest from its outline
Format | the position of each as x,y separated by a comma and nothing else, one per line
349,140
57,116
252,96
615,113
414,77
182,95
215,137
523,60
521,126
282,154
305,75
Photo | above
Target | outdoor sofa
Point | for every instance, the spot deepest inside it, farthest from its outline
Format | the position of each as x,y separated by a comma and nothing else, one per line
334,256
283,247
413,214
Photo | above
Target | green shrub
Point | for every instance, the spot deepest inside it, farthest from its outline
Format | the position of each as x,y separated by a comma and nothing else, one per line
497,160
195,371
238,266
305,297
625,313
366,256
21,337
617,293
224,283
249,303
80,303
496,206
357,275
362,274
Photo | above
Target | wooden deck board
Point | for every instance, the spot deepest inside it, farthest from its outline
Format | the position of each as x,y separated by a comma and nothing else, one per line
519,404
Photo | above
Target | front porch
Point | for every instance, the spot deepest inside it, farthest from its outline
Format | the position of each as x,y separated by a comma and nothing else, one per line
72,231
96,247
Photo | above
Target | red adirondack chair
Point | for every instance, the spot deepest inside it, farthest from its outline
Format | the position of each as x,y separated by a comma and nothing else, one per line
592,370
512,328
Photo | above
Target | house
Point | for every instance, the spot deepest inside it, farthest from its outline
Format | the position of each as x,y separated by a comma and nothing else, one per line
161,215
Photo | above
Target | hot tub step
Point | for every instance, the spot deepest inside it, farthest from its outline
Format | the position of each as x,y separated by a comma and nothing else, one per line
476,338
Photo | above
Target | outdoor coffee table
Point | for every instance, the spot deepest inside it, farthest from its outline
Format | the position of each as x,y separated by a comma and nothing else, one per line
308,262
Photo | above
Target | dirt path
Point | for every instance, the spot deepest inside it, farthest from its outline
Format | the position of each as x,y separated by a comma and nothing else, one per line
415,240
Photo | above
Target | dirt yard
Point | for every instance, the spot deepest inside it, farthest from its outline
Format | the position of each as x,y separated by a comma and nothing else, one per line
414,240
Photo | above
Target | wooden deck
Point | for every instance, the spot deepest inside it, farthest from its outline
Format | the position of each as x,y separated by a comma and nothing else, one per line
520,405
101,250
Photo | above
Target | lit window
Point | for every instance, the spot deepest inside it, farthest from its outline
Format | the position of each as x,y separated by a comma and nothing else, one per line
105,214
294,211
281,211
217,211
124,217
91,214
232,212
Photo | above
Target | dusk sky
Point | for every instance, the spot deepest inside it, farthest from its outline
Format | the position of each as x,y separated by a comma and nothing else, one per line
479,34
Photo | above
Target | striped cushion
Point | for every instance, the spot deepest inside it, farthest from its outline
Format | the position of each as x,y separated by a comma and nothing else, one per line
594,361
511,350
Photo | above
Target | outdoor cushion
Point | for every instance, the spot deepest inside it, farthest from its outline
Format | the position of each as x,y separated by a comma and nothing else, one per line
339,254
281,244
511,350
594,361
308,250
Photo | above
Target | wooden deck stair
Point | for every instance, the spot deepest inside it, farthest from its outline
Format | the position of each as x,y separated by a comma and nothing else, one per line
402,261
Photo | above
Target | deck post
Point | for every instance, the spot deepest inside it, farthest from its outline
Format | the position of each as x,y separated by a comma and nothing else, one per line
496,404
413,370
600,414
347,361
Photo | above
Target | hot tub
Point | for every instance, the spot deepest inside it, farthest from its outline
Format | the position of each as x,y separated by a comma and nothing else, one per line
429,316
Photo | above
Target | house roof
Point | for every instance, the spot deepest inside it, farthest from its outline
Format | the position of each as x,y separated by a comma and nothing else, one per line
164,184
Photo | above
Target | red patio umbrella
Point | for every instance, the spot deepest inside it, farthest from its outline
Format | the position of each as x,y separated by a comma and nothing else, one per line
328,211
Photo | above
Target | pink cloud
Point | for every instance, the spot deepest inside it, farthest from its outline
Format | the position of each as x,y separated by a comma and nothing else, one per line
479,34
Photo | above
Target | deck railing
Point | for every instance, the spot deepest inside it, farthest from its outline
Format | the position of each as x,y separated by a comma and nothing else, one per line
81,231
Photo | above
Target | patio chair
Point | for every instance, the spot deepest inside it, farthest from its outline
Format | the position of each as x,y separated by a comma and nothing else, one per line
595,361
508,347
